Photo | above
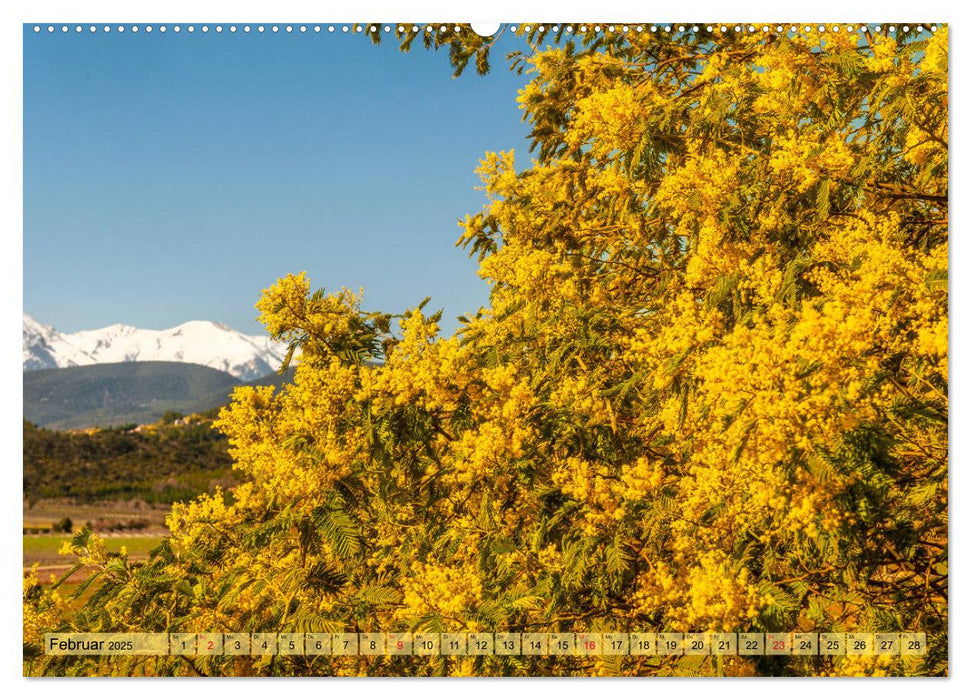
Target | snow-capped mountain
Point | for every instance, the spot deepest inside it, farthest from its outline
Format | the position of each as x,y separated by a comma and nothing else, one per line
199,342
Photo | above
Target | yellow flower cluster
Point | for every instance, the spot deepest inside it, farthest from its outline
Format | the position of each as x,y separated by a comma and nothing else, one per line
803,160
449,591
708,596
43,609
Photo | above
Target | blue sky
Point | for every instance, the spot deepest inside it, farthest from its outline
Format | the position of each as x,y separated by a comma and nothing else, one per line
171,177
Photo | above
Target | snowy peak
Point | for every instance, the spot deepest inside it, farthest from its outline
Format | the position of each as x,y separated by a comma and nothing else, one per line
37,332
45,347
198,342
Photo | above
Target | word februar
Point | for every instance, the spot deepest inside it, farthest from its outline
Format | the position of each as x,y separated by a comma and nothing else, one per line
73,644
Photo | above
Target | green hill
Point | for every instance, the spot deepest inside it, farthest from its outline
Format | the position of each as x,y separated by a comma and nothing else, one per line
221,396
165,463
162,465
121,393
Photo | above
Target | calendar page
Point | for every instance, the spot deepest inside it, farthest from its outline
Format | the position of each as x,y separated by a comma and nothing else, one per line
523,349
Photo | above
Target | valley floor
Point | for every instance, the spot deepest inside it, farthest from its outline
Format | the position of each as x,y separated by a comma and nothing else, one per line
134,525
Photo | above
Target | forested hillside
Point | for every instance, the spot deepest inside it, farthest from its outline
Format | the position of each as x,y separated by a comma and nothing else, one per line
162,464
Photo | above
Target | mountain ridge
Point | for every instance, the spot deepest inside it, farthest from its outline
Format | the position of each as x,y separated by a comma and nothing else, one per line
121,393
205,343
108,394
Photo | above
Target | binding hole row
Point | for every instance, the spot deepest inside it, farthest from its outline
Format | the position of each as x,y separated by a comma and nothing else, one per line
415,28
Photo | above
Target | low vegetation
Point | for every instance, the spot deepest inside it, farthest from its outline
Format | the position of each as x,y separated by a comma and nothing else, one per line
161,463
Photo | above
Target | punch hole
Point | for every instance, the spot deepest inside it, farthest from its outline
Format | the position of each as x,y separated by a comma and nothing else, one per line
486,28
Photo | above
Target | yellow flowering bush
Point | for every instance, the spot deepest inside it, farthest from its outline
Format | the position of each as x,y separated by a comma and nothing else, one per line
709,392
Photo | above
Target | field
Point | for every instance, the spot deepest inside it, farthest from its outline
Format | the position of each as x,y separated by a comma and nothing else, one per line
104,516
43,549
137,526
